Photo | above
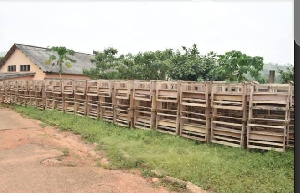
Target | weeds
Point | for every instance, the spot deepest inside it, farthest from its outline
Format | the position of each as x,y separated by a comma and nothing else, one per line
65,151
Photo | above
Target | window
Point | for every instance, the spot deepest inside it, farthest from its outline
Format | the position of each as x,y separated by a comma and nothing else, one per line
24,68
11,68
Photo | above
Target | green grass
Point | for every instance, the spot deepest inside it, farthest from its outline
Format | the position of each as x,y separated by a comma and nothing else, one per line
65,151
213,167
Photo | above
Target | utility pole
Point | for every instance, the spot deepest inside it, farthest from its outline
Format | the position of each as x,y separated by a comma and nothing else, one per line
271,76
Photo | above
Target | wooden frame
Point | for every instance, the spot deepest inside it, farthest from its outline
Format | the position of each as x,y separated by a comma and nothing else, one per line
68,96
123,103
167,107
106,99
54,99
229,114
259,116
144,104
21,90
195,111
2,91
80,97
40,94
92,96
268,116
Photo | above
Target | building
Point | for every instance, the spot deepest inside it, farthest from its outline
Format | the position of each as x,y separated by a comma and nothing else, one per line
28,62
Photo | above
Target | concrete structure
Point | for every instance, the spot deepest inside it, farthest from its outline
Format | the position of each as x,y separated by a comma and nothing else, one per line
29,63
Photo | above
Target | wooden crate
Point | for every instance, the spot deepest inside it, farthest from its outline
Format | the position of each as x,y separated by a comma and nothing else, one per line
2,91
291,133
10,92
195,110
268,124
229,114
53,90
167,107
30,95
80,97
21,92
40,94
123,103
92,96
105,92
68,96
80,87
68,87
144,104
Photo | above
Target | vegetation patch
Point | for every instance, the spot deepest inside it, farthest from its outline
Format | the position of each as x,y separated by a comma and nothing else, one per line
210,166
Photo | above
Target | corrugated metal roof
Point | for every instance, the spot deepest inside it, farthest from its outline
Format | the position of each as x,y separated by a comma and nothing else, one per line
40,55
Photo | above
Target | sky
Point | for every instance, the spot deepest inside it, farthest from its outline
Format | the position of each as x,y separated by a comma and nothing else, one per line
257,28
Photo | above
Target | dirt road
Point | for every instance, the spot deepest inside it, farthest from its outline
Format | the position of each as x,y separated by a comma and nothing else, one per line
37,158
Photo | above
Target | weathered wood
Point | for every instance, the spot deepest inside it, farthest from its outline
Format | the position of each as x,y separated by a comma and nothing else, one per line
269,116
229,114
206,111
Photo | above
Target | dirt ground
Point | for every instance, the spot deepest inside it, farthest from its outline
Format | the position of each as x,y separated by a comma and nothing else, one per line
37,158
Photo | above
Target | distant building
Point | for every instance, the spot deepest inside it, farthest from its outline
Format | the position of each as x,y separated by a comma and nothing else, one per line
29,63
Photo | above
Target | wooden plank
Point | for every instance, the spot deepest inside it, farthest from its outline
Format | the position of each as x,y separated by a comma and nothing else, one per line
227,123
226,139
226,133
269,108
253,136
226,129
194,119
269,133
188,127
265,148
226,143
228,102
194,104
166,123
267,142
227,107
267,126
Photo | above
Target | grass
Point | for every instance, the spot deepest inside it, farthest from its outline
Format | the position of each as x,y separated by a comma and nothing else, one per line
213,167
65,151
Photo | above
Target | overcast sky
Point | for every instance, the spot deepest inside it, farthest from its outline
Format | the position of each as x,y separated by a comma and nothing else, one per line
257,28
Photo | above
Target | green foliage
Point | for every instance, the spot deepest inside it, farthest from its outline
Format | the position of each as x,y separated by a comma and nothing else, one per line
214,167
187,64
146,66
234,65
63,57
190,65
106,64
152,65
287,75
1,58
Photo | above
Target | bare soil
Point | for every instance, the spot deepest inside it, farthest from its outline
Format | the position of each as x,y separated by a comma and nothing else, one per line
39,158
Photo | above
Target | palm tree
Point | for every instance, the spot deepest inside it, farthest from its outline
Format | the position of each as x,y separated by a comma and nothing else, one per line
63,57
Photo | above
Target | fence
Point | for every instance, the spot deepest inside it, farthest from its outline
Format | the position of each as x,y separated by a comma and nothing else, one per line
246,115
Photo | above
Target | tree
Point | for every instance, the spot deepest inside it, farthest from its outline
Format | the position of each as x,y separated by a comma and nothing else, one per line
63,58
145,66
208,63
1,58
152,65
107,63
234,65
287,75
186,65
